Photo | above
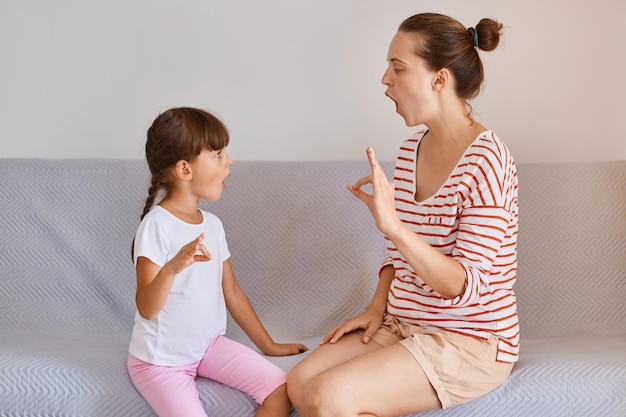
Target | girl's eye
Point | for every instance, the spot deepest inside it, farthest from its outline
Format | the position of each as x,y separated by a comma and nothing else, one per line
218,154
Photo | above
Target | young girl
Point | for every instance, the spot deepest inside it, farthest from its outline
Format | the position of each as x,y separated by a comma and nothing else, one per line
185,280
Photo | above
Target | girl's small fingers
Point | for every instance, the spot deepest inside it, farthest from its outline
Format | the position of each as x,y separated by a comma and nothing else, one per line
201,258
194,245
204,252
203,249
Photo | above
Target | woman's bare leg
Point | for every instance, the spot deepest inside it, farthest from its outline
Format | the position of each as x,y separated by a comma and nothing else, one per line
381,382
321,359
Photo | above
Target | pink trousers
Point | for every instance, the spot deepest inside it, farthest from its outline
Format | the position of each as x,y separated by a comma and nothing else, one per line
172,392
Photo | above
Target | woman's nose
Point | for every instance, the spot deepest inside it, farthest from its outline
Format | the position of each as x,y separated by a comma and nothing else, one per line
385,79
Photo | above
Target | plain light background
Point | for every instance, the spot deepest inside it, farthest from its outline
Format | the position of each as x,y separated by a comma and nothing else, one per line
297,80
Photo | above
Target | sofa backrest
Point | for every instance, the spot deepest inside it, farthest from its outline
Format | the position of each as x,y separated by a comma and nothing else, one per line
572,249
302,246
66,227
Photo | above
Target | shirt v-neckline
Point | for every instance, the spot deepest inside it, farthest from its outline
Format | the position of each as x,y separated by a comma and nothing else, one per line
456,166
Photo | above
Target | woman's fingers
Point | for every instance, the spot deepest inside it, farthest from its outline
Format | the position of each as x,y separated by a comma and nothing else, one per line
363,181
377,173
371,157
335,334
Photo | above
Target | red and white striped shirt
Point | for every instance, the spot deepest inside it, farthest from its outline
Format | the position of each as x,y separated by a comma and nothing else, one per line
473,219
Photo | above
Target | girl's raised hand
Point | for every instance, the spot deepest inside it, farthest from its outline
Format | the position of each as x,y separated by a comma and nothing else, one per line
381,202
192,252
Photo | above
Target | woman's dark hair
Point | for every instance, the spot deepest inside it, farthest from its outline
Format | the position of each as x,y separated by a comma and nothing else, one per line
179,134
444,42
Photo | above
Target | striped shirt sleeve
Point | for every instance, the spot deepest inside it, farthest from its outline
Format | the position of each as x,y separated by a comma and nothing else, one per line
488,209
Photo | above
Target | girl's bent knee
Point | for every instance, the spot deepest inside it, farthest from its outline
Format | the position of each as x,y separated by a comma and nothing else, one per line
276,404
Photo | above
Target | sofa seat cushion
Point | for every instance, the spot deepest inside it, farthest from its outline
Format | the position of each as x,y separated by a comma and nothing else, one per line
72,374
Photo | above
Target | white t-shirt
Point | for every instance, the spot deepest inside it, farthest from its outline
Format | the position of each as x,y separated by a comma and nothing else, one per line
195,310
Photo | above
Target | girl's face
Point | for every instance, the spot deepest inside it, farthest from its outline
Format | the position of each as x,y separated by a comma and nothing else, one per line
410,84
210,169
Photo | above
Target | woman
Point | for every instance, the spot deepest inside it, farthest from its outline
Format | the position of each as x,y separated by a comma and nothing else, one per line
442,327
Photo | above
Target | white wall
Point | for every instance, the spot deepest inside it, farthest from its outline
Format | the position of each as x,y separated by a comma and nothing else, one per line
297,80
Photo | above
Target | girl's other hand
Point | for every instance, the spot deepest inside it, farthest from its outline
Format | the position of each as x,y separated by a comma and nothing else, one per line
286,349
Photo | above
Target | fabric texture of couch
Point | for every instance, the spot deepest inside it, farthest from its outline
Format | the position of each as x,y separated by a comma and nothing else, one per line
306,252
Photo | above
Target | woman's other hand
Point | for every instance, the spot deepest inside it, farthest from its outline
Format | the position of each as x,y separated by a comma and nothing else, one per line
369,321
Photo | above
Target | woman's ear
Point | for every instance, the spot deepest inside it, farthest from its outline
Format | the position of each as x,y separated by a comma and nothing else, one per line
183,170
442,79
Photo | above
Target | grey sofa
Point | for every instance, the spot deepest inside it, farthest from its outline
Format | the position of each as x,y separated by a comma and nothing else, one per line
306,252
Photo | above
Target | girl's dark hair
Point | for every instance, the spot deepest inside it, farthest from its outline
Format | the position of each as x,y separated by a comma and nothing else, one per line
179,134
444,42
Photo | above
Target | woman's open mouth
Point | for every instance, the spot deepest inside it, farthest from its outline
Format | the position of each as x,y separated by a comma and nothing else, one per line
392,99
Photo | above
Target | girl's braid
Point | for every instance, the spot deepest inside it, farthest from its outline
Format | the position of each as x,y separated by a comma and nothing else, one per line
153,191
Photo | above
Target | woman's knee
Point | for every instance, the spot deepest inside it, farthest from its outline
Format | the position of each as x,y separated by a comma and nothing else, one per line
295,384
322,398
305,390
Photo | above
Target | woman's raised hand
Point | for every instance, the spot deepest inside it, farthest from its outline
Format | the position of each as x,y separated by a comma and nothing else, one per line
381,202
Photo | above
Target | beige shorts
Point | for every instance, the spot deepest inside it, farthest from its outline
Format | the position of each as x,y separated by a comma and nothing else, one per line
460,368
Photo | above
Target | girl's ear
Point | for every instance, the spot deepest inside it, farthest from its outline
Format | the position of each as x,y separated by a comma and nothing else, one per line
183,170
442,79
